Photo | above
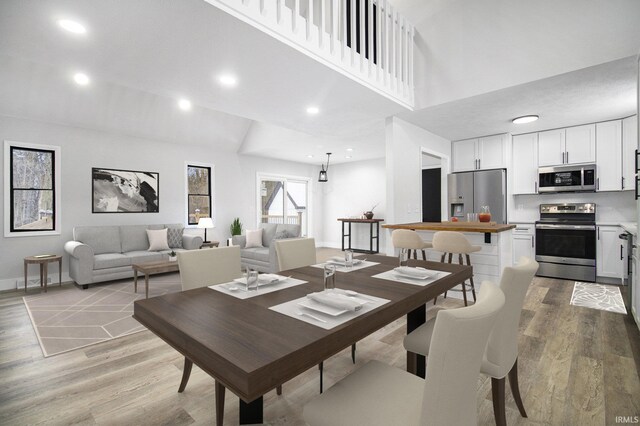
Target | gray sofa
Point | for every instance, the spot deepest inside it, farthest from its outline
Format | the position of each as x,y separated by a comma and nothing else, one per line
105,253
265,259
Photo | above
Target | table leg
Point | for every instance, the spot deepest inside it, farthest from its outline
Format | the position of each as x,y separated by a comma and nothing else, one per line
371,237
46,274
377,237
146,286
135,280
220,389
251,412
415,319
25,276
342,235
60,272
349,235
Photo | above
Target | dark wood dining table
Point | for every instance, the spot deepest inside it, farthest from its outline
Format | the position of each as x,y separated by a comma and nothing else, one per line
250,349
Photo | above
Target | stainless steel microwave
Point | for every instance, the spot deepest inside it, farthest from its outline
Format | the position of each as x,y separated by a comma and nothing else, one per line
568,178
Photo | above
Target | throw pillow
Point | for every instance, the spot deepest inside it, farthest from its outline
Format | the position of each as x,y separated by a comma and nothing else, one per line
174,237
157,239
254,238
283,235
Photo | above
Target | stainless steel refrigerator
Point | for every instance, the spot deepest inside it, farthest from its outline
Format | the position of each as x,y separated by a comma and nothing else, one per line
469,191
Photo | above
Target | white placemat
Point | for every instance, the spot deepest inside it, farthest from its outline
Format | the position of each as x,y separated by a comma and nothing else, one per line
363,264
242,293
294,309
392,276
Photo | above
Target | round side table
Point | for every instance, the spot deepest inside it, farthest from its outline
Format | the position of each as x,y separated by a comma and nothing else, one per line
43,262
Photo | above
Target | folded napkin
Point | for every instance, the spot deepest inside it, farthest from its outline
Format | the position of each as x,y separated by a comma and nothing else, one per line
270,278
335,301
413,272
340,260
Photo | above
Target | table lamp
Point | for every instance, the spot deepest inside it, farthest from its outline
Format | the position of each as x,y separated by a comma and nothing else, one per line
205,222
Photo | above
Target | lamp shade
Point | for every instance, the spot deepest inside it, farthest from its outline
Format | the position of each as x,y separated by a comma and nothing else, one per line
205,222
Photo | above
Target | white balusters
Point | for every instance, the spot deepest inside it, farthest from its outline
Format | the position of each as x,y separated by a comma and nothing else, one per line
323,22
309,18
296,16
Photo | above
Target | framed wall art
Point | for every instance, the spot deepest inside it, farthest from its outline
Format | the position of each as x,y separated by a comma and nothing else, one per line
124,191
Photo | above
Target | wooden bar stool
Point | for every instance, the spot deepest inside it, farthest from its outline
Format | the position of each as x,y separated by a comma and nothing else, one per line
450,243
406,239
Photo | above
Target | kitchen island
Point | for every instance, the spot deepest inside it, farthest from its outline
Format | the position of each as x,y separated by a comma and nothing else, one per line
494,239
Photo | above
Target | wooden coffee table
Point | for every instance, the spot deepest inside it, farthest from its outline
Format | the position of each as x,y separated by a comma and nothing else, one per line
150,268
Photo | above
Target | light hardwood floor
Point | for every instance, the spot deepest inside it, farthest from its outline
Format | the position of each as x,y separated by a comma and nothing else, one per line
578,366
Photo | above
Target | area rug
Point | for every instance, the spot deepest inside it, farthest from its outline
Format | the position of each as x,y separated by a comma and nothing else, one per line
598,296
73,318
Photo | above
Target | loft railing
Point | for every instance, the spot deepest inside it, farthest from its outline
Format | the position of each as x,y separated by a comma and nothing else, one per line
367,40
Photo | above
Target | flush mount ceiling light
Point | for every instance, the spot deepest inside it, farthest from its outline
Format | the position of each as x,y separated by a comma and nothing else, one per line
309,156
349,149
323,173
228,80
81,79
347,156
72,26
313,110
184,104
525,119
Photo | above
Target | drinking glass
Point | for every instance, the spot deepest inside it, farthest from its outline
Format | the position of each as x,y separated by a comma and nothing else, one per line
403,257
348,258
329,276
252,280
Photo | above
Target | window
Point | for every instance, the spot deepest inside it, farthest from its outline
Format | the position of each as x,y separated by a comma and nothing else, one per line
32,189
199,197
284,199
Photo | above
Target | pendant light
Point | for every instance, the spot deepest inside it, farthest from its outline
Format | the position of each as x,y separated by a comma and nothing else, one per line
323,173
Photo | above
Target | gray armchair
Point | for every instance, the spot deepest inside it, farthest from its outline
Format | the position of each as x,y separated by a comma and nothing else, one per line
265,259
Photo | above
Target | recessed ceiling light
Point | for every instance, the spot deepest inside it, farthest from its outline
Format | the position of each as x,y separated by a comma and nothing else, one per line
72,26
228,80
313,110
184,104
525,119
349,149
347,156
309,156
81,79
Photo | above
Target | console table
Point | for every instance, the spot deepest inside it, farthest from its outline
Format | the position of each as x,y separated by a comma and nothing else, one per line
372,237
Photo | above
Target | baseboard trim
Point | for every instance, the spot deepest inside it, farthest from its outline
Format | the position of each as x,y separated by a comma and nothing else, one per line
8,284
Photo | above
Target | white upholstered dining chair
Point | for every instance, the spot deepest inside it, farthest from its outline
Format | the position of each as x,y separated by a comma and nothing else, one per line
295,252
501,354
378,394
407,239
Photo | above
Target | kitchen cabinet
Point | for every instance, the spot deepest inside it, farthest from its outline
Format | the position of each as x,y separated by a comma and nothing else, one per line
525,164
523,242
610,252
480,154
572,145
629,146
609,156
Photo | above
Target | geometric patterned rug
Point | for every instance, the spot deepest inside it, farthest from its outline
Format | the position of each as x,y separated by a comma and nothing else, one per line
598,296
73,318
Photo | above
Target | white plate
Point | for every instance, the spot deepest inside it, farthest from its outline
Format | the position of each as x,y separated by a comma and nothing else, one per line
324,309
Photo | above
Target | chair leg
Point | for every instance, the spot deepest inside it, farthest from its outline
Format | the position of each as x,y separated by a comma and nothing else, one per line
450,258
424,255
464,287
412,363
279,390
321,368
497,394
353,353
473,287
515,389
220,389
415,254
186,373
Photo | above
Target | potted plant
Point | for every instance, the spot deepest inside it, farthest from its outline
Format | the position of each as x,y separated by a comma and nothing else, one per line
173,256
236,229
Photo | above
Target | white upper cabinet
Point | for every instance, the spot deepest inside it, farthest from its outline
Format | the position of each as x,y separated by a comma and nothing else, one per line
479,154
609,137
551,147
629,146
525,164
580,144
465,155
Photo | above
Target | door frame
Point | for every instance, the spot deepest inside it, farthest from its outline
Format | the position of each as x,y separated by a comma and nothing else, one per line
263,175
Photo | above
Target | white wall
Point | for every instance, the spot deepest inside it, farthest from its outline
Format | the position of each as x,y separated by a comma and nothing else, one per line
352,189
611,207
405,144
82,149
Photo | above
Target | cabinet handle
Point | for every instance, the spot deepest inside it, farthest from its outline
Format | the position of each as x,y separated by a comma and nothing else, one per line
567,157
621,252
598,232
536,187
478,164
563,157
623,182
597,184
533,239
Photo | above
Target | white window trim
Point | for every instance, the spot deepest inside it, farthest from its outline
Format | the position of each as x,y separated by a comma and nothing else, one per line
308,180
186,191
7,189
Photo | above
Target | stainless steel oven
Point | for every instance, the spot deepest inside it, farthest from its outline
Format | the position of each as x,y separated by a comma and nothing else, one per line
566,241
569,178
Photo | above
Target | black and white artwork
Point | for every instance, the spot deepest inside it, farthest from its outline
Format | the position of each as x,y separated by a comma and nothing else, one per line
124,191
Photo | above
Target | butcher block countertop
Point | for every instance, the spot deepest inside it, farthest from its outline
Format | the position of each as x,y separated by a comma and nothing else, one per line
482,227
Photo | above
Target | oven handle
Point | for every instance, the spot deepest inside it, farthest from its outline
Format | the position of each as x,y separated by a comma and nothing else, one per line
579,227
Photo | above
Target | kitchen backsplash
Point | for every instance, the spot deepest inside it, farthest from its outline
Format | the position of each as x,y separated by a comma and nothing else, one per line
611,207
